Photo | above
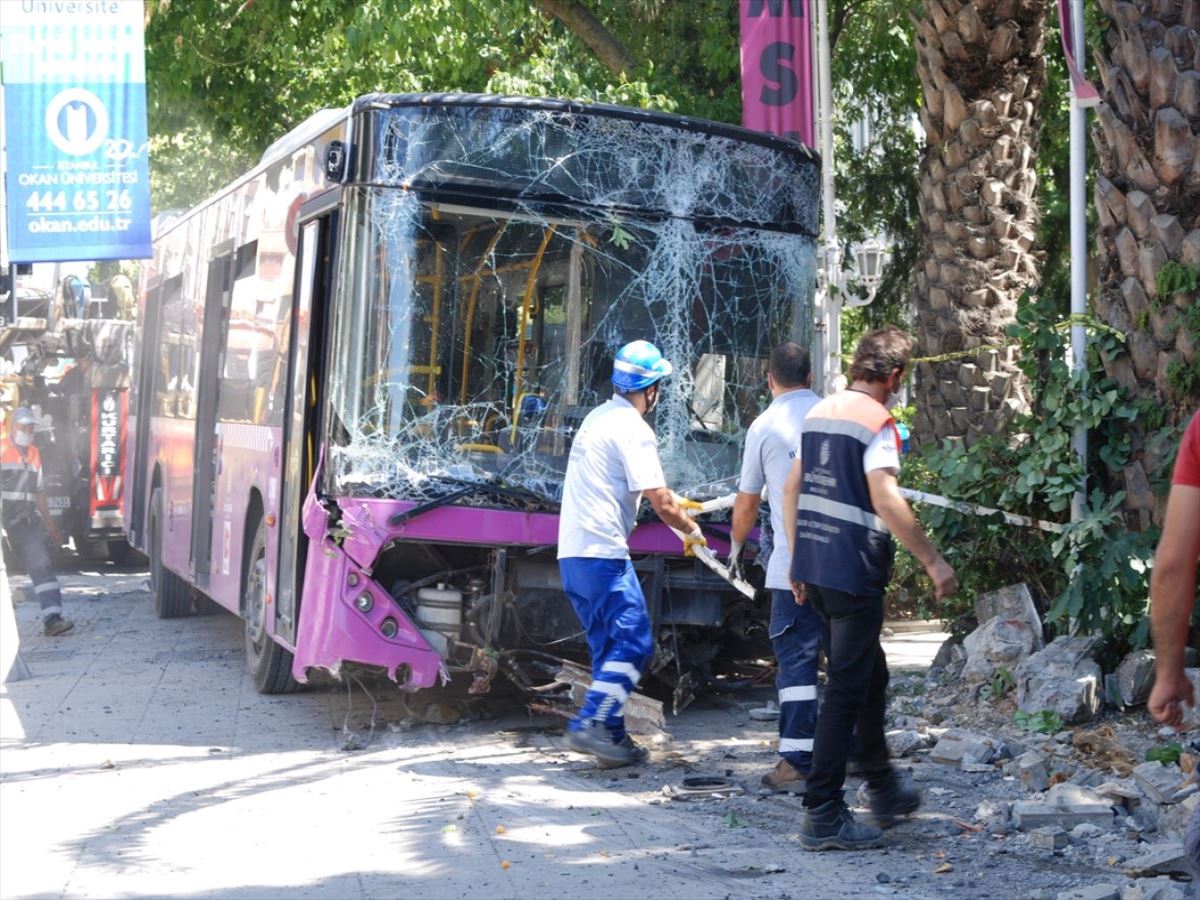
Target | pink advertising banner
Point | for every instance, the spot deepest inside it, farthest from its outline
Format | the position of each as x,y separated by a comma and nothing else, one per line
1081,89
777,65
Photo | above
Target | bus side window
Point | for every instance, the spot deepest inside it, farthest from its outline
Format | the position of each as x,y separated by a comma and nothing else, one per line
166,386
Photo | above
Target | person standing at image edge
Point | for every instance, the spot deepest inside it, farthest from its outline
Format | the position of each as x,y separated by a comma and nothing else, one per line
772,445
849,506
26,517
613,463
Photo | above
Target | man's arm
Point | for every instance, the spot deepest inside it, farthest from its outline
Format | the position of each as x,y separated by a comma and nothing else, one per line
791,502
44,510
667,509
1172,595
745,514
897,515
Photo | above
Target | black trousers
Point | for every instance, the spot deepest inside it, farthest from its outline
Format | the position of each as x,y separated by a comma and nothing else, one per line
855,694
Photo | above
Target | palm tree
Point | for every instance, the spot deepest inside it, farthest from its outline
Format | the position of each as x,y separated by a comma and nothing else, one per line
1148,205
982,73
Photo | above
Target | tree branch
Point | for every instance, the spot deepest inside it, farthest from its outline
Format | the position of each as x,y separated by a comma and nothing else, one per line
580,20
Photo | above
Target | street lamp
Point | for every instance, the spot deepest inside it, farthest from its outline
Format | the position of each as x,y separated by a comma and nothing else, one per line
870,257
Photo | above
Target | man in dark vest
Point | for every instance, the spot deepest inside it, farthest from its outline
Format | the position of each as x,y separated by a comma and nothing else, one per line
26,517
850,506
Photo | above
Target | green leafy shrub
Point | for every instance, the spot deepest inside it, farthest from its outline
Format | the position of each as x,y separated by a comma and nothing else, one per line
1045,721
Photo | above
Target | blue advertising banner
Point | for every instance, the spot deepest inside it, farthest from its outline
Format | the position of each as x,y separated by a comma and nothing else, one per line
78,176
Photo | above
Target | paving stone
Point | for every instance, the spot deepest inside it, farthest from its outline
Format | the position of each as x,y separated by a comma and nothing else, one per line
1157,781
1032,770
1159,859
1050,837
1064,805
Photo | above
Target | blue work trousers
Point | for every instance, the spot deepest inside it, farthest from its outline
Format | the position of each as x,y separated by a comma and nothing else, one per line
28,542
796,633
611,607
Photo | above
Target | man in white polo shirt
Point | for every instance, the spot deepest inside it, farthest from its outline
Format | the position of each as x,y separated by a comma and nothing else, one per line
772,444
613,463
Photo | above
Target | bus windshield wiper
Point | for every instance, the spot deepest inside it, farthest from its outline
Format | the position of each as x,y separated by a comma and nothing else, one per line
493,486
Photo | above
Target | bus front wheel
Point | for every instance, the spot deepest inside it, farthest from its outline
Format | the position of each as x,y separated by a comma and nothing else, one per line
269,663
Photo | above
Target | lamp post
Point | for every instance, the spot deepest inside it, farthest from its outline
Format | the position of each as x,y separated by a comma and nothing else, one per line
832,297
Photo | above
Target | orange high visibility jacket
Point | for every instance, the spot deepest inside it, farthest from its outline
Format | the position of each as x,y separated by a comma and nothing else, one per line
20,481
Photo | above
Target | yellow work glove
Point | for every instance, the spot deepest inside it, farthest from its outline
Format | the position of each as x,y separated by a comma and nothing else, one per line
692,541
690,506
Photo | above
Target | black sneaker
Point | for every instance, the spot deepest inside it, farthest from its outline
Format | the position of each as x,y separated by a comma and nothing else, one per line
892,800
594,739
56,625
831,826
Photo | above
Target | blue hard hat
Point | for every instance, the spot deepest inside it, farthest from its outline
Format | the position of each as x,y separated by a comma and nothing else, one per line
638,365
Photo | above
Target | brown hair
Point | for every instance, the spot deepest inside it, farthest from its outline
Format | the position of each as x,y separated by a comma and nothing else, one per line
879,352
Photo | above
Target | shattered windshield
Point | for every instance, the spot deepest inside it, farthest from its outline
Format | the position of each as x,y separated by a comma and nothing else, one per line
470,342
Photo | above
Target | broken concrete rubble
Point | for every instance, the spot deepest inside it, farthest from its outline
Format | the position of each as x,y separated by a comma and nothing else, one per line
1064,805
997,643
1051,837
903,742
1012,602
1061,678
1191,714
956,746
1153,889
1159,859
1032,770
1158,782
1135,677
1092,892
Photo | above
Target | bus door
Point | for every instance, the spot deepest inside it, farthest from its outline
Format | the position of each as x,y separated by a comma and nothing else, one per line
316,258
212,345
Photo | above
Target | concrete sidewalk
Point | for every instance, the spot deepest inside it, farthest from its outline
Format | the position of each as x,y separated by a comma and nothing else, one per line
139,761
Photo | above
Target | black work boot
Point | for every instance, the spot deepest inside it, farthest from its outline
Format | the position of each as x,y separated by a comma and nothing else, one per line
830,826
894,798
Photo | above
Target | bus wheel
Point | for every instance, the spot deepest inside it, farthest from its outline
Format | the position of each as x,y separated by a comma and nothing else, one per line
171,599
269,663
120,553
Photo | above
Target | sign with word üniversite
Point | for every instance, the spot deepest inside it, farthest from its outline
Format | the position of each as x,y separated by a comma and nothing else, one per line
78,176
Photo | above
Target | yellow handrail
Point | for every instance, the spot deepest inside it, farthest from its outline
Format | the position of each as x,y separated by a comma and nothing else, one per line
466,365
530,284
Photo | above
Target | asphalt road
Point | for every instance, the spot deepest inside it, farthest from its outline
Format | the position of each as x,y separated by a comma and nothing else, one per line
139,762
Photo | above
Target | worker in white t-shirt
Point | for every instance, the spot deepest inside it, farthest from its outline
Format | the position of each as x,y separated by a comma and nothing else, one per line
613,464
772,445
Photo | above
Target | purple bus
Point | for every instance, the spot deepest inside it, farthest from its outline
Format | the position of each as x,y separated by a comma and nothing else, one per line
360,366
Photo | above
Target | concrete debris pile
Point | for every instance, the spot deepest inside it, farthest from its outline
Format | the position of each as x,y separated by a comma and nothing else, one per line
1009,631
1062,678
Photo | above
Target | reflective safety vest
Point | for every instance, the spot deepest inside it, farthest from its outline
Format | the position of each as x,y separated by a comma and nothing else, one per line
840,543
20,481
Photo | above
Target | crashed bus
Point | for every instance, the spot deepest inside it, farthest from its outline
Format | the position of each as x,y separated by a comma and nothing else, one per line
360,367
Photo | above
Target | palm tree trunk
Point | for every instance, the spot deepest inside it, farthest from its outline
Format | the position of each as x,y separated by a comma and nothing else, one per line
983,73
1148,204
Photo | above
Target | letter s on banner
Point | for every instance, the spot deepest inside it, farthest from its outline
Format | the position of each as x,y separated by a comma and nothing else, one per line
777,65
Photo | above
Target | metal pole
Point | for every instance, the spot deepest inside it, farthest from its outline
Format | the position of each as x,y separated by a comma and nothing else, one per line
832,312
1078,253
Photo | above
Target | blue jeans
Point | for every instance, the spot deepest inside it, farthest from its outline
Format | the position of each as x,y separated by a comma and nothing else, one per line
796,634
608,599
28,542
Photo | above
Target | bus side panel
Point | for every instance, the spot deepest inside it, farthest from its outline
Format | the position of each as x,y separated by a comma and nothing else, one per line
248,462
171,448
